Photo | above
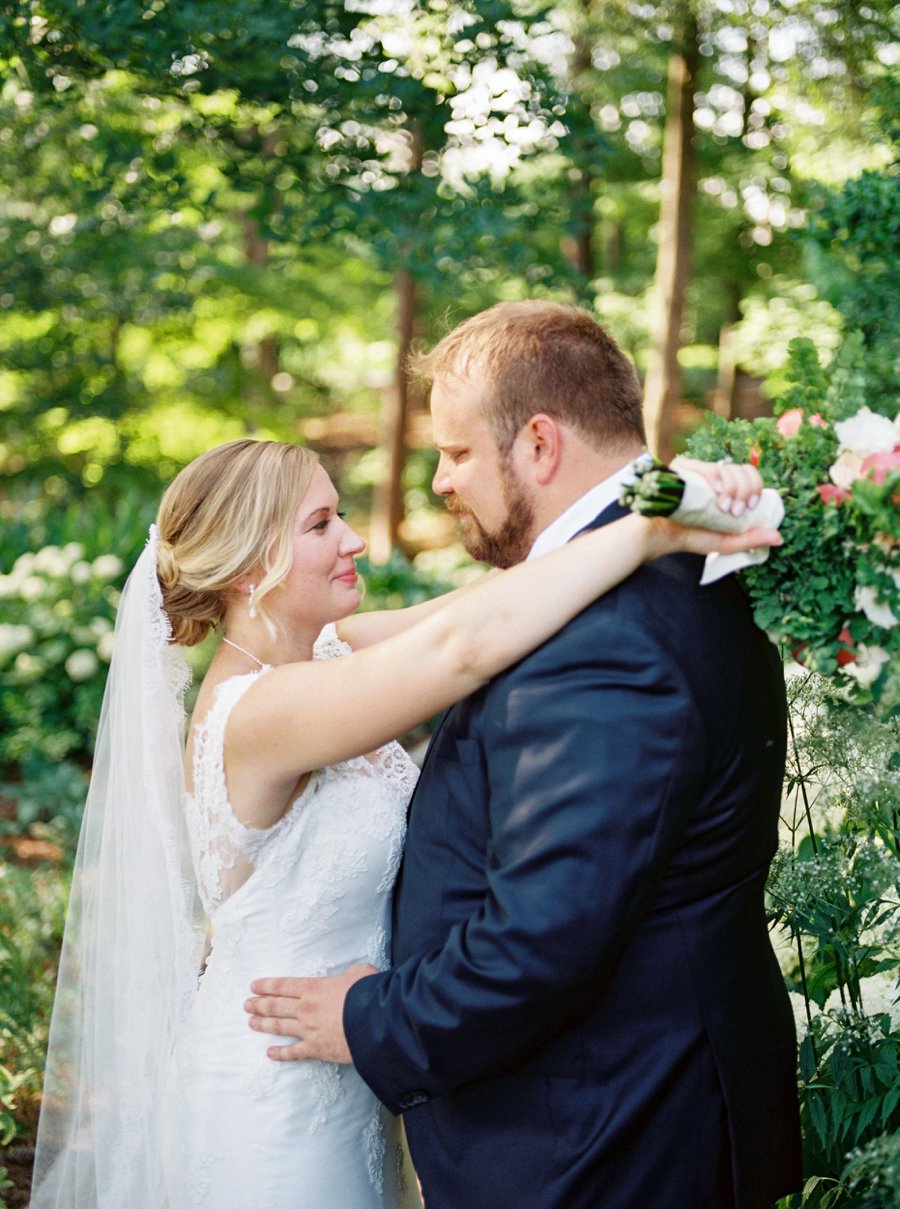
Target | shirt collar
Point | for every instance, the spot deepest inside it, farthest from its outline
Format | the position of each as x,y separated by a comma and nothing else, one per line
581,513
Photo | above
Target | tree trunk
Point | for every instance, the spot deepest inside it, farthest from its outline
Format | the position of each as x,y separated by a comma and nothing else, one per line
256,251
578,245
387,506
615,245
662,391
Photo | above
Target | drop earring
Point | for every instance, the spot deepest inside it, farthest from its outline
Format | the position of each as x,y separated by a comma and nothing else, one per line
250,601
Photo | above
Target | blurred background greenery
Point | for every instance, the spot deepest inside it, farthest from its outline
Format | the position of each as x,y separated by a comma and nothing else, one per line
220,218
223,218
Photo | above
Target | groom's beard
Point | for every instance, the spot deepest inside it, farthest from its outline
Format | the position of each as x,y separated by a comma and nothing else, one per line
510,543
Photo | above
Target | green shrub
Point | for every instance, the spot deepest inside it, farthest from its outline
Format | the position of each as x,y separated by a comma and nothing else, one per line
833,898
32,917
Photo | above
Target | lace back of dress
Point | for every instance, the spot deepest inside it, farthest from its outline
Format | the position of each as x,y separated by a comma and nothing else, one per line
223,848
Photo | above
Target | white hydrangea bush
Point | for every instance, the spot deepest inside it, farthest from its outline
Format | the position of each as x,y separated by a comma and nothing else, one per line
58,608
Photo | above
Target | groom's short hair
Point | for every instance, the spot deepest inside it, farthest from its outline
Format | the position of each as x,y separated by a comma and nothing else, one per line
541,356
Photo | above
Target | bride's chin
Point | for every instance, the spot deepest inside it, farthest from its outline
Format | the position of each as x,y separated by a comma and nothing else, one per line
352,605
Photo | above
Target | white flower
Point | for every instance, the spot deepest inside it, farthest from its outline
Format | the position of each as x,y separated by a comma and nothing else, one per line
798,1005
14,638
31,588
867,432
52,561
73,551
24,564
869,662
80,573
81,665
27,667
100,625
879,993
847,469
105,646
107,566
879,614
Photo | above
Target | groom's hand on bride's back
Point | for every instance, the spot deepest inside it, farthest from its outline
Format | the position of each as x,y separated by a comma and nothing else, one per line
307,1010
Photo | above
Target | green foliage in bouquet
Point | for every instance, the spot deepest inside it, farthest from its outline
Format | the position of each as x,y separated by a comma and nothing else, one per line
831,595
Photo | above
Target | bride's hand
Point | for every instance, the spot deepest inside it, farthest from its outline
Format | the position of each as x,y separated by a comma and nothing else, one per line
668,537
737,486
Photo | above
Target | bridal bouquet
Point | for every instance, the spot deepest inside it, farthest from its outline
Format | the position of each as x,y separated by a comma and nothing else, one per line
831,598
659,490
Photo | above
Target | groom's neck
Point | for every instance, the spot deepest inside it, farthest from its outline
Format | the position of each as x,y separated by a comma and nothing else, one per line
580,469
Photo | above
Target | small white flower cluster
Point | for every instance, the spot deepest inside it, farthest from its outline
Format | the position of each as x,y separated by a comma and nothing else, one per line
879,994
30,572
81,665
14,638
42,583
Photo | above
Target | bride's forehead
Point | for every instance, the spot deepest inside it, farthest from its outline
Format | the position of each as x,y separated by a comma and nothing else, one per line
321,493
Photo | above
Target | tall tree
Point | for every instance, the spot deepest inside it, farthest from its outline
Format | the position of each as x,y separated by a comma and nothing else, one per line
662,391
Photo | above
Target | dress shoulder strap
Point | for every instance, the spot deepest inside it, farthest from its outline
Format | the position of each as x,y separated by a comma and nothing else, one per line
209,739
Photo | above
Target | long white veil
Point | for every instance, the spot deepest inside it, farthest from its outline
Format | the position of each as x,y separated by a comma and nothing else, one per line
129,964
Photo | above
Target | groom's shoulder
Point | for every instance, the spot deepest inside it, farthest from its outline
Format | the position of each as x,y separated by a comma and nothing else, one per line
661,605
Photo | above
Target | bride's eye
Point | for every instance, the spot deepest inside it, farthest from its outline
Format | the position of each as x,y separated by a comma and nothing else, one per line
322,525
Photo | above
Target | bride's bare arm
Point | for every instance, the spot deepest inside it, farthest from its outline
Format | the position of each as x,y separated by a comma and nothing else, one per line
737,487
302,716
363,629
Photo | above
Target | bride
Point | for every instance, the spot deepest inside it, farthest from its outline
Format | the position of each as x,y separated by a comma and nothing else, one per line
271,843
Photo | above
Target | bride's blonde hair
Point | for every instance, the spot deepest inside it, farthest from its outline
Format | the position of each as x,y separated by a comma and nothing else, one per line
226,516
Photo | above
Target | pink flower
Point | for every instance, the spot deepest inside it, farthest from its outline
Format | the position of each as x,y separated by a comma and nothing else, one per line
846,654
881,464
788,424
829,494
817,421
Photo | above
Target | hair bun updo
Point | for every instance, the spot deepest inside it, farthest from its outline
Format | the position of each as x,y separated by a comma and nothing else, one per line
228,516
192,612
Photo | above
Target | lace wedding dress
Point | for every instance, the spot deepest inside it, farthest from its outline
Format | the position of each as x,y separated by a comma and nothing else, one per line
308,896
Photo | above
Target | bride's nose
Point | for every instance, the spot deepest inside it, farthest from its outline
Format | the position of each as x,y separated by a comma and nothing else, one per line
351,542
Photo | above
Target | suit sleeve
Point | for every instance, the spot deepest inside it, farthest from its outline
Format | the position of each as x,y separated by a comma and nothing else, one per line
589,755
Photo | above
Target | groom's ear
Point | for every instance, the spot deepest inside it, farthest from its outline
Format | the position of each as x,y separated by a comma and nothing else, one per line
543,447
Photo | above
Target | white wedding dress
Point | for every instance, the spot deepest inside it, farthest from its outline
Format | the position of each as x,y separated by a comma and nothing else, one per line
309,896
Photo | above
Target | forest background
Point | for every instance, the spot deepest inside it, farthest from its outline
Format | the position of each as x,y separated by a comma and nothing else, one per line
225,218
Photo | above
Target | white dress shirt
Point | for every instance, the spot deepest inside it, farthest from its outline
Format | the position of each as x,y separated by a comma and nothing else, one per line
581,513
592,503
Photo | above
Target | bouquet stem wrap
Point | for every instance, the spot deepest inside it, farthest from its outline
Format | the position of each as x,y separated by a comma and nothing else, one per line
657,490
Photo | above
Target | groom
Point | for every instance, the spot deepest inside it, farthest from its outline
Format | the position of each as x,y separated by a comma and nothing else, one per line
584,1011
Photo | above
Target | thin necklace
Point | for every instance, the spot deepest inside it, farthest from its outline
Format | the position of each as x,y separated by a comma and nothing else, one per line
243,651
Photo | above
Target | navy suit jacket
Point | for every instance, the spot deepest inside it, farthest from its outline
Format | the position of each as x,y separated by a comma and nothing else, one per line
584,1010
